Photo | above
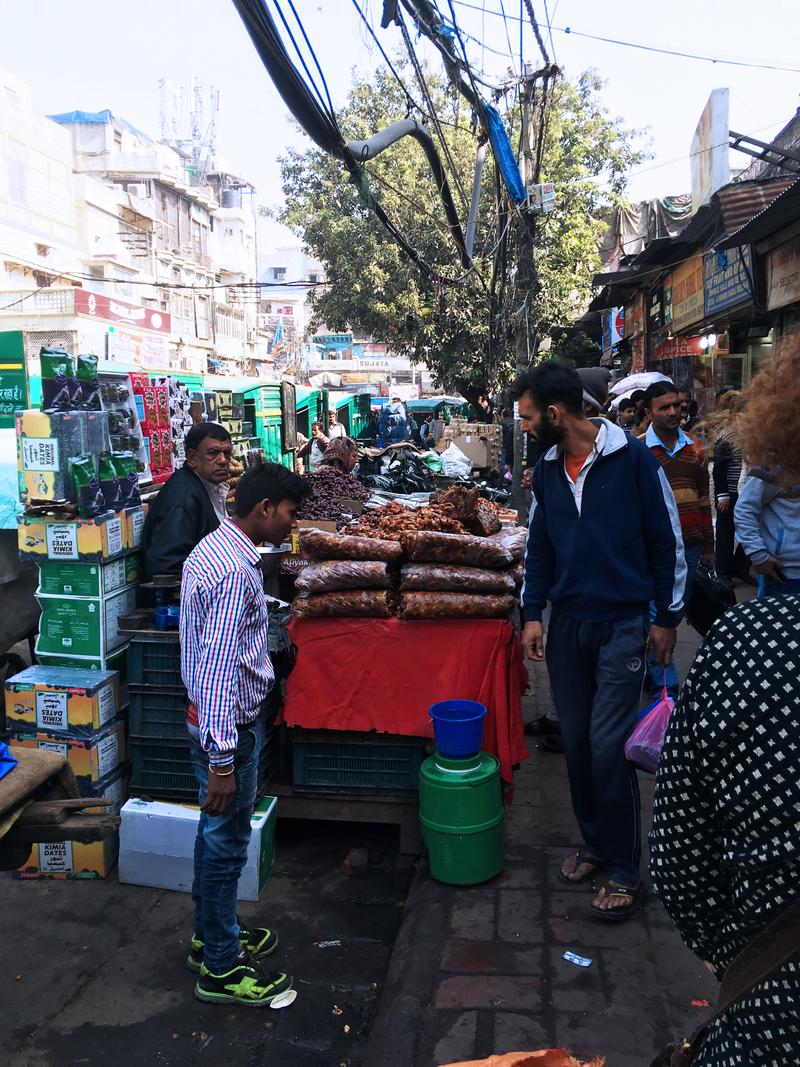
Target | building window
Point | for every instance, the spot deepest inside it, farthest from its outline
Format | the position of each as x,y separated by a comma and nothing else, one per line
17,181
201,310
279,274
118,140
313,278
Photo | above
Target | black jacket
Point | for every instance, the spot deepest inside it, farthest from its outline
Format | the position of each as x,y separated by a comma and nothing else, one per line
179,518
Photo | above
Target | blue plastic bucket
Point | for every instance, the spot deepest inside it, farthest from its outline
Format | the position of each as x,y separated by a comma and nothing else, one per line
458,727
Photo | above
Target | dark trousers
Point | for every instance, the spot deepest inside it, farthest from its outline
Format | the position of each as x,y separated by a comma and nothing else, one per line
731,562
596,673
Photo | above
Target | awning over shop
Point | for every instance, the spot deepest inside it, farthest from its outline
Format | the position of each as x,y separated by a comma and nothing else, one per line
782,212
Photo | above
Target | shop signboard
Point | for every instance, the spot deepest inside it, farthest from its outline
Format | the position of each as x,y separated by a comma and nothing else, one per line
710,164
667,300
99,306
727,278
687,293
679,346
617,324
783,274
13,384
137,349
402,392
613,327
655,308
634,316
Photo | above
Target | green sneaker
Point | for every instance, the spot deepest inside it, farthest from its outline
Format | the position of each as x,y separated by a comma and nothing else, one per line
258,943
245,983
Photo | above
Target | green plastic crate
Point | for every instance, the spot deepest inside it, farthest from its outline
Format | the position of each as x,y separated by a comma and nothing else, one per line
162,769
356,767
155,662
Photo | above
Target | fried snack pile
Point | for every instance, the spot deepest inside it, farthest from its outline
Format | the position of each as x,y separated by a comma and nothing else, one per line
391,520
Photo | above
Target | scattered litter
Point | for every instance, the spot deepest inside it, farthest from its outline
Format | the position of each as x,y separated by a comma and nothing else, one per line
283,1000
579,961
174,1037
355,863
346,1028
700,1004
18,978
327,944
202,1038
336,1010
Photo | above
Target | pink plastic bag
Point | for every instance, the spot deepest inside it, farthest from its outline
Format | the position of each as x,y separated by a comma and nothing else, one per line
643,747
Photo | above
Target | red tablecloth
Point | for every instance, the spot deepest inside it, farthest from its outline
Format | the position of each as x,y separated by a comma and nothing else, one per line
384,674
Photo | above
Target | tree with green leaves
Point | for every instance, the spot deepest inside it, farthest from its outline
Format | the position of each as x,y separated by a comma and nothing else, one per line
460,323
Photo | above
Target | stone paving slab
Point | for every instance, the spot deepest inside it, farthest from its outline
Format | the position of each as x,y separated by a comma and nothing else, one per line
480,970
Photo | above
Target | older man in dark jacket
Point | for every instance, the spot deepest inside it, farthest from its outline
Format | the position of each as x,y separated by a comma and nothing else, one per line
191,503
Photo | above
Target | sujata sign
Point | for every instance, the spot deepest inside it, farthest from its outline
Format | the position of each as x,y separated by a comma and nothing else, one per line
99,306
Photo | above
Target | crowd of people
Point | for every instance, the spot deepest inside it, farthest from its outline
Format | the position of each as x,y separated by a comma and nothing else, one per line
621,517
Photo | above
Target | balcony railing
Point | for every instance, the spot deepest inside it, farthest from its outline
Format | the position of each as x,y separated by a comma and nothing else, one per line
56,301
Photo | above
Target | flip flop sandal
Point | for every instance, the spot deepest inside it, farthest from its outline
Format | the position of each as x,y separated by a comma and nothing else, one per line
581,858
619,915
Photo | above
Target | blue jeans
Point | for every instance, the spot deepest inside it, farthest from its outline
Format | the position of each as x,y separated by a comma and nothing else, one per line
220,849
766,587
596,671
693,554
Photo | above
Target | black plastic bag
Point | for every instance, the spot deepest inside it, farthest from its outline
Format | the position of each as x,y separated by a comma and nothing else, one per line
711,597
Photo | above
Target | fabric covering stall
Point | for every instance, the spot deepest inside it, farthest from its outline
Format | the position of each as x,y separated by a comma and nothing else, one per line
384,674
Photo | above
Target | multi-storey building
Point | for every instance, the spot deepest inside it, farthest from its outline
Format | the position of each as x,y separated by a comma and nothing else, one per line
119,245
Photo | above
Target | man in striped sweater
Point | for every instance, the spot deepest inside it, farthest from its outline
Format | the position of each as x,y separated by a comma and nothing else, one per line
684,462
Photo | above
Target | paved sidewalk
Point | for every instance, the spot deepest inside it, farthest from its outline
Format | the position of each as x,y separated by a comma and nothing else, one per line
480,970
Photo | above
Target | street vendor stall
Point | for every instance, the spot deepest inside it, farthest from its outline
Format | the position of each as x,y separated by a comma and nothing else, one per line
383,674
404,608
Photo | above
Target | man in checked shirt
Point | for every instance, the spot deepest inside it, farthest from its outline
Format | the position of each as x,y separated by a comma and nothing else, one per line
228,674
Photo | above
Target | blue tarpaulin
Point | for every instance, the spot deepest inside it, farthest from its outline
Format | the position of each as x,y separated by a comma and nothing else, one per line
96,118
504,154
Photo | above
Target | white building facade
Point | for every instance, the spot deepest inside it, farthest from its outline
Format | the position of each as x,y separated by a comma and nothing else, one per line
114,244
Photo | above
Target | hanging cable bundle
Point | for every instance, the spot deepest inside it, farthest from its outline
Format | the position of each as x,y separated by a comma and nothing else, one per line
318,119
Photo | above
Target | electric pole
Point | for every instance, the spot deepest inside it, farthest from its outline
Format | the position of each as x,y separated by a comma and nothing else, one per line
526,282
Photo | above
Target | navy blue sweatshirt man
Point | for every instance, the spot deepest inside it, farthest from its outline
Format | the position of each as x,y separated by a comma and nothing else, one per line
604,540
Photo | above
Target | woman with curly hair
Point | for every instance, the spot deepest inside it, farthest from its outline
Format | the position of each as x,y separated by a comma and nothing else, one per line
767,514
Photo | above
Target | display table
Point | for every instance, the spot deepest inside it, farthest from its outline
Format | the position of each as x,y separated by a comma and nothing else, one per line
384,674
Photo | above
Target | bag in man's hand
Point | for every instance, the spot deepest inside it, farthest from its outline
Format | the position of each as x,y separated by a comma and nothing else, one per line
711,597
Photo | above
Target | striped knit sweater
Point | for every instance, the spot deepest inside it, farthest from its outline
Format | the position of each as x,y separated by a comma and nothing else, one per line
687,474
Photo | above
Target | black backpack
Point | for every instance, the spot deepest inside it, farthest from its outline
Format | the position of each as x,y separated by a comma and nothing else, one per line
711,597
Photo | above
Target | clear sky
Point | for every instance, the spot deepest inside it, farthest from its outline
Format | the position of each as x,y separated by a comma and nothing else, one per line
95,54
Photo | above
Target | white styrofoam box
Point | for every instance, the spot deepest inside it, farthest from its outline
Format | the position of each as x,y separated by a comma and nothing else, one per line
156,846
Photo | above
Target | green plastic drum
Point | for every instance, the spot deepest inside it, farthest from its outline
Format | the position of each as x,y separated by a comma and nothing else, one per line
461,811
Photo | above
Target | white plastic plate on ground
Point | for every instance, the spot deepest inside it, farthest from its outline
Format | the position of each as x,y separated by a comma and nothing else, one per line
283,1000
